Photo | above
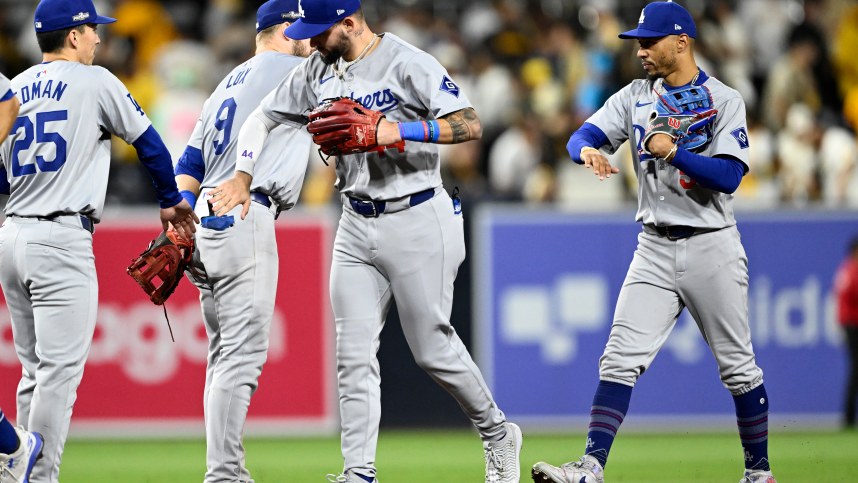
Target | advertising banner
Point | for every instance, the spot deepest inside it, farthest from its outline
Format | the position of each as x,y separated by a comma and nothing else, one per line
136,377
545,288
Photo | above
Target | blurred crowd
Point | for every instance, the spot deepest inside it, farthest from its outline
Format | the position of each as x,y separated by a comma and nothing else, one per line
534,70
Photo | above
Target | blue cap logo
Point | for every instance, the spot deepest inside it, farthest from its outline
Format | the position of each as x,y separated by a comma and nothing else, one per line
659,19
275,12
61,14
320,15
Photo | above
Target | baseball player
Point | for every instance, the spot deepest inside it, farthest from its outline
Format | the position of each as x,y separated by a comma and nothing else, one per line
19,449
400,235
689,252
238,258
56,163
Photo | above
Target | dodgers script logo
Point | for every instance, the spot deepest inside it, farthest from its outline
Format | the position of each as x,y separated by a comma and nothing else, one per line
380,100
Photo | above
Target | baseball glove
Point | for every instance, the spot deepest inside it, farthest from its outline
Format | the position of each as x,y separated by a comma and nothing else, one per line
343,126
165,259
686,115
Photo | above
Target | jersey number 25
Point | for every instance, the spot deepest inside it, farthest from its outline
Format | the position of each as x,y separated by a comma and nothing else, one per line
40,135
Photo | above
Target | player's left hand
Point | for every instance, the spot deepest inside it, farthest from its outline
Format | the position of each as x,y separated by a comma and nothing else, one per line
181,217
231,193
593,158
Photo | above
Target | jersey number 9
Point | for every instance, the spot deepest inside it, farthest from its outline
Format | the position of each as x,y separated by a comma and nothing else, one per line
224,123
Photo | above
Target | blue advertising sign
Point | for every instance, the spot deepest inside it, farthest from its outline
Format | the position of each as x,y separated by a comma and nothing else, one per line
546,284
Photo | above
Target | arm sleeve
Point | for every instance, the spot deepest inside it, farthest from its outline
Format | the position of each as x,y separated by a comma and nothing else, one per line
191,163
252,136
587,135
156,158
719,173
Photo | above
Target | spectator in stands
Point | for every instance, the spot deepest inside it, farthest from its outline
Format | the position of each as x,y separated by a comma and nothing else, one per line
846,288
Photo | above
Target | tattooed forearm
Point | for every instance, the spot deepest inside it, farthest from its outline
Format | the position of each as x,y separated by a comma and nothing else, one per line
465,126
460,128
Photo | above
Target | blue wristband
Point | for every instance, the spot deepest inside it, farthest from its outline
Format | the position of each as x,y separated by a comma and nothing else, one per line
434,131
414,131
190,197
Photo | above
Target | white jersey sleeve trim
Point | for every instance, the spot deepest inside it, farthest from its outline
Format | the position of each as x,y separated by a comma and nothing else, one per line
252,136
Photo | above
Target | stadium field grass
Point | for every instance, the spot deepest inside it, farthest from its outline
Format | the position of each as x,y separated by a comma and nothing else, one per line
456,457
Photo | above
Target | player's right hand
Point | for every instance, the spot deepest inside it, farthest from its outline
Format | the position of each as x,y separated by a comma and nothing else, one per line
593,158
182,217
231,193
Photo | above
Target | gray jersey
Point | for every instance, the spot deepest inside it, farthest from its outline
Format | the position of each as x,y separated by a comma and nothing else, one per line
57,156
397,79
666,196
279,171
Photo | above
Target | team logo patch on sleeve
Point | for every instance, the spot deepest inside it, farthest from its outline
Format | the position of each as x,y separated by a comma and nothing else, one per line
741,136
447,85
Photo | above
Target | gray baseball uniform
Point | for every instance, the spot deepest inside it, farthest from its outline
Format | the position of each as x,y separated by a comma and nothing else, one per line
410,252
707,273
240,263
57,159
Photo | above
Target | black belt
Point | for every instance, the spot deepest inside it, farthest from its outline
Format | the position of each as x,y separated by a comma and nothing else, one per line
85,221
261,198
677,232
373,208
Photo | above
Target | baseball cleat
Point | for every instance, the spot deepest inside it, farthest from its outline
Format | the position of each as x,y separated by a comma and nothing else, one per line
757,476
502,457
349,477
16,467
585,470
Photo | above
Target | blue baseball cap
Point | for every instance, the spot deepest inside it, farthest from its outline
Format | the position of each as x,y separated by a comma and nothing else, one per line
60,14
659,19
318,16
275,12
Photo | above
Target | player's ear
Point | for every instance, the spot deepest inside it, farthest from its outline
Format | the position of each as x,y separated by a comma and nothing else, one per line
683,43
349,24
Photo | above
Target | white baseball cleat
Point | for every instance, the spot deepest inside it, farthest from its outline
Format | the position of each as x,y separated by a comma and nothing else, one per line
757,476
348,477
585,470
16,467
502,457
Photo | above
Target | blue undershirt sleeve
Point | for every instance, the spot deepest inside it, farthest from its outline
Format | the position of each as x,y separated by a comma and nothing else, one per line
587,135
5,188
719,173
191,163
155,157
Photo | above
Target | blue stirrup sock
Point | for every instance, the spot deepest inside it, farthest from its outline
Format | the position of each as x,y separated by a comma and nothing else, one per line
752,416
8,436
610,405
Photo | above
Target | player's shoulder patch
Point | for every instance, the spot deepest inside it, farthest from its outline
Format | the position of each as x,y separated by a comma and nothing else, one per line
741,136
450,87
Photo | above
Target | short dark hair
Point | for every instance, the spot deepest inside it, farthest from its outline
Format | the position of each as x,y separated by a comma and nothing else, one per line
55,40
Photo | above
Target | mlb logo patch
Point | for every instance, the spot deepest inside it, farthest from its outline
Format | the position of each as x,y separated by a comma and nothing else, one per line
447,85
741,136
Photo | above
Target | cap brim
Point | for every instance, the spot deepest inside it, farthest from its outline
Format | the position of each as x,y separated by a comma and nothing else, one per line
300,30
642,34
101,19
